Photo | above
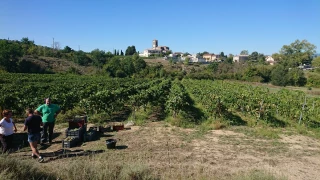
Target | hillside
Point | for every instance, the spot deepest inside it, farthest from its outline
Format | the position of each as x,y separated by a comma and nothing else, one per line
59,65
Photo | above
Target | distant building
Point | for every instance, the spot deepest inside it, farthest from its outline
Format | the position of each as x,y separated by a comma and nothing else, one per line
193,58
211,57
270,60
155,50
239,58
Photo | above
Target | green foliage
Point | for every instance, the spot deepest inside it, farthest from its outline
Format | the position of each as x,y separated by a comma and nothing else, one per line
131,50
120,73
283,76
177,99
67,49
213,66
226,98
128,66
186,61
98,57
313,79
244,52
296,77
10,53
279,75
316,62
81,58
298,52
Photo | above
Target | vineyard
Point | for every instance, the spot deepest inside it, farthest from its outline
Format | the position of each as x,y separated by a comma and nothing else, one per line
193,101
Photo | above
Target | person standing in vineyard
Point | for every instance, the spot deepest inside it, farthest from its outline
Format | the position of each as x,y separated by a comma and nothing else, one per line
33,123
49,113
7,129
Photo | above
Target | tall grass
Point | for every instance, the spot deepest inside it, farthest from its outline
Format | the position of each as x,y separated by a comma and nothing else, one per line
13,168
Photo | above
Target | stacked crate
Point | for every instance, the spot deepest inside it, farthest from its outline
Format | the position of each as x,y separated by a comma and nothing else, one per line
75,132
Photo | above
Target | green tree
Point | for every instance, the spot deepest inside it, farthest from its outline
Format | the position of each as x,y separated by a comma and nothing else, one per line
201,54
128,66
244,52
98,57
130,50
121,53
33,50
26,44
222,54
279,75
67,49
296,77
139,63
254,56
186,54
261,58
81,58
316,62
10,53
113,66
213,67
298,52
264,72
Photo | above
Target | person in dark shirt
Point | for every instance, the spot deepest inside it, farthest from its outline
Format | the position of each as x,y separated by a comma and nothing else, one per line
33,123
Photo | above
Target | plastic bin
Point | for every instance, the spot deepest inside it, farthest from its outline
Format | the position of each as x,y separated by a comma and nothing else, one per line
111,143
70,142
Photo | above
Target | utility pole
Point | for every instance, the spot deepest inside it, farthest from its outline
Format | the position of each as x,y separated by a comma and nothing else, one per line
52,43
78,47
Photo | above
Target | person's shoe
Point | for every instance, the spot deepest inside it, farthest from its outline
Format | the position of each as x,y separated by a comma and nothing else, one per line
41,159
33,156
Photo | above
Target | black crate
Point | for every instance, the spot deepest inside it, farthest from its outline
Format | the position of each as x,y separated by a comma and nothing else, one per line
76,132
72,142
91,135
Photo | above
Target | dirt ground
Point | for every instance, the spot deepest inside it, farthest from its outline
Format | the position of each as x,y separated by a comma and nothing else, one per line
217,153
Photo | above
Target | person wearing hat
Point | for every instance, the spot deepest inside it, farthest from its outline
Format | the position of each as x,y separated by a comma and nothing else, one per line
49,113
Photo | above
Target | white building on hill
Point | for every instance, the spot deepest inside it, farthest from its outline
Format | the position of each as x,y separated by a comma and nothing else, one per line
155,50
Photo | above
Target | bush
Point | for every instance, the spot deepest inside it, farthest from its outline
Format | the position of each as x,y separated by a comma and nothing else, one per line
313,80
279,75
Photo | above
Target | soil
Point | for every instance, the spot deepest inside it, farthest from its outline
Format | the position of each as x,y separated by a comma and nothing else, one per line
217,152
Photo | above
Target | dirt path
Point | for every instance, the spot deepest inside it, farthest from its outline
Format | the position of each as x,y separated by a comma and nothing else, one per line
218,153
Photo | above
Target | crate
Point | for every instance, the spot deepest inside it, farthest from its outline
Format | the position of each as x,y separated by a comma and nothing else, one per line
91,135
117,127
77,121
69,143
76,132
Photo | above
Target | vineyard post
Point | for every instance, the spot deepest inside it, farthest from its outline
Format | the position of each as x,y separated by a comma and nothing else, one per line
261,104
301,114
313,105
168,150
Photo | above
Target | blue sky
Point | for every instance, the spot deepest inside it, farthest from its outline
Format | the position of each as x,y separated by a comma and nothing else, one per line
185,26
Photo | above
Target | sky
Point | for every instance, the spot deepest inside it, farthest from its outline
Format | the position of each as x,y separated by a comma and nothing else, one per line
228,26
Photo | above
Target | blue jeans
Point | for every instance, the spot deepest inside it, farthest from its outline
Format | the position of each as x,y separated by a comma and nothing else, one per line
34,137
